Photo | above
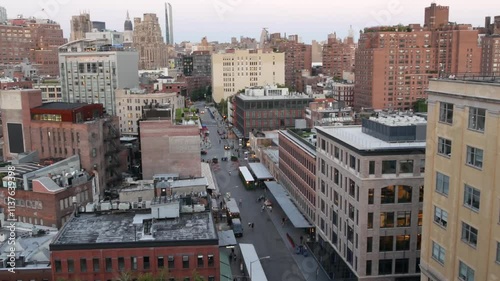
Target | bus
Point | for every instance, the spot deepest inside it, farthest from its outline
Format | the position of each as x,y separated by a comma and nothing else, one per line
233,212
247,178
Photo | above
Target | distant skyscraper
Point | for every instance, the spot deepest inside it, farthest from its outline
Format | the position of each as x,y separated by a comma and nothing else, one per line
99,25
80,25
147,40
128,24
169,27
3,14
264,38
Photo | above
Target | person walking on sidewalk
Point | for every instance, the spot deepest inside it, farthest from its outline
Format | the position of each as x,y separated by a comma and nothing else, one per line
282,221
241,201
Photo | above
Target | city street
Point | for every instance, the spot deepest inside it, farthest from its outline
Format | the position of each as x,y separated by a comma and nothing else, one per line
265,237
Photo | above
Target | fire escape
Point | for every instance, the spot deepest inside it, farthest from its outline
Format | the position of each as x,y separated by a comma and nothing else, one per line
113,148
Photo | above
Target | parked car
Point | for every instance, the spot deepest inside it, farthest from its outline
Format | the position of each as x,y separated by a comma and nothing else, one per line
215,160
203,152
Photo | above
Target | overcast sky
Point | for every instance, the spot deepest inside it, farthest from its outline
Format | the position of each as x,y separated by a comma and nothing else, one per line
222,19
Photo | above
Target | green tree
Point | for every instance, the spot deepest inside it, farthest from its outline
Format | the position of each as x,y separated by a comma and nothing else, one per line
222,107
146,277
196,276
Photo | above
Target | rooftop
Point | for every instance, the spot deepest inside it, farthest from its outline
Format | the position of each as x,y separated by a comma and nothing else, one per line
284,97
61,105
354,136
305,138
112,230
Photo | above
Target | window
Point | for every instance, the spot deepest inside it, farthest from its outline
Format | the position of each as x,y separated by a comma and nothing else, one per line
83,265
58,265
475,157
469,234
109,265
335,217
133,263
444,147
498,252
438,252
402,242
200,260
389,166
388,194
465,273
146,262
352,188
402,266
440,216
368,267
351,212
171,262
404,218
420,216
384,267
471,197
161,262
446,113
185,261
350,233
336,152
371,195
95,265
371,169
442,183
406,167
352,161
386,219
477,118
404,194
370,221
421,194
422,166
210,260
386,243
369,244
121,264
71,265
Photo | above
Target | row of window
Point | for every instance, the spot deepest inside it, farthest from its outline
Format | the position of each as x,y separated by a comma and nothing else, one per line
472,195
474,155
394,219
385,266
476,118
132,263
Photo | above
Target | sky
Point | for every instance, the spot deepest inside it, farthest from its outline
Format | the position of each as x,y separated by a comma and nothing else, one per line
219,20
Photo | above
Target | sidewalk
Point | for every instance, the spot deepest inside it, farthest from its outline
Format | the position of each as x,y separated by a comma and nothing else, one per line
308,265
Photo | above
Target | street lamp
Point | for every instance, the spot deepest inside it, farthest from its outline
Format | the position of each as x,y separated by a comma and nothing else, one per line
259,259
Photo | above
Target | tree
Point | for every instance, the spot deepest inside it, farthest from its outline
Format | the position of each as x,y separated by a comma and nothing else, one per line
124,276
146,277
222,106
196,276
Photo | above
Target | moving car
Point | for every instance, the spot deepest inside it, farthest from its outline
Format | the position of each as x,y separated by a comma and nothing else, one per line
227,147
237,227
203,152
215,160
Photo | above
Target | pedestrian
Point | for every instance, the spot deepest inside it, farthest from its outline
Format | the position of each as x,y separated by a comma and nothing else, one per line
282,221
249,224
240,201
262,209
220,205
252,225
301,239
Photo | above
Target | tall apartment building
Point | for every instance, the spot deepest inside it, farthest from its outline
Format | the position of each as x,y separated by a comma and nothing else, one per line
339,55
490,48
148,42
3,15
461,231
393,65
34,39
370,183
267,109
131,104
92,71
436,16
169,25
80,25
298,58
316,52
235,70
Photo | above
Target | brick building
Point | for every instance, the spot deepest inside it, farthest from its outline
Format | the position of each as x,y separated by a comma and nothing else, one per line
339,55
44,195
490,45
170,148
35,39
328,112
297,169
176,243
298,58
58,130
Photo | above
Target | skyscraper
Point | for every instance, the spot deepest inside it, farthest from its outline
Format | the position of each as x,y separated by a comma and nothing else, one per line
169,27
80,25
3,15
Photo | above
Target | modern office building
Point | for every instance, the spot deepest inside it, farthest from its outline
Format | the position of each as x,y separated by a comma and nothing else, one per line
35,40
267,109
99,25
461,234
3,15
80,25
235,70
370,183
148,42
199,63
163,240
91,71
169,25
45,195
339,55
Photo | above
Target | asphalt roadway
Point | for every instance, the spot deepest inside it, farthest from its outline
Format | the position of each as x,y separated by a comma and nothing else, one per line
264,236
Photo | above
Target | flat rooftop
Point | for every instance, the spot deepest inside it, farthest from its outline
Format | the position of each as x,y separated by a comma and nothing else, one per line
61,105
285,97
110,230
354,136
